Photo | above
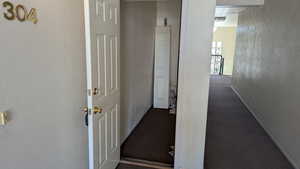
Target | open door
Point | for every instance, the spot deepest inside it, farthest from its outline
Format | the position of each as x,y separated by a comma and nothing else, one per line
102,27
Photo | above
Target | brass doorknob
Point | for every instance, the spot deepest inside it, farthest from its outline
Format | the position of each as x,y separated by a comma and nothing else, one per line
3,118
85,110
97,109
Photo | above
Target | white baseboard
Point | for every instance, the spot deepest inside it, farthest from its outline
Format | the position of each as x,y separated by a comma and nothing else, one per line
281,148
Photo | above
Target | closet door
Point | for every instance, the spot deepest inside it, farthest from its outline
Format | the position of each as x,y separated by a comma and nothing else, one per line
162,67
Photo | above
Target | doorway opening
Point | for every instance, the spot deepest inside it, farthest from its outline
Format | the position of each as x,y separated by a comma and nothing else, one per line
224,41
149,64
235,133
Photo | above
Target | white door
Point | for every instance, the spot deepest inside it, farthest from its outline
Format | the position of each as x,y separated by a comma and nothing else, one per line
102,27
162,67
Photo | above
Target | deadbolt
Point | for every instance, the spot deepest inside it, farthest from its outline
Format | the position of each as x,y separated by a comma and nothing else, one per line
96,110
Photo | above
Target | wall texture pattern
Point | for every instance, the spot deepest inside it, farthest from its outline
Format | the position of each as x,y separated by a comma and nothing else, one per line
42,86
193,85
266,70
138,21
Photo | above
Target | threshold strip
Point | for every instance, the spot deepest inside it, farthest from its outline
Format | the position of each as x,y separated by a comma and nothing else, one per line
145,163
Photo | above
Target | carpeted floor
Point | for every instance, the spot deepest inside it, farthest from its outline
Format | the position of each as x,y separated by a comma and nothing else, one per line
235,140
127,166
152,137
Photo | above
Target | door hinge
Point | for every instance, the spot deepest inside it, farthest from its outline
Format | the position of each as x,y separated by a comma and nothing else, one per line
89,91
93,92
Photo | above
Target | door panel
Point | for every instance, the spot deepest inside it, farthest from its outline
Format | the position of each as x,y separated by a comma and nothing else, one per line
102,57
99,65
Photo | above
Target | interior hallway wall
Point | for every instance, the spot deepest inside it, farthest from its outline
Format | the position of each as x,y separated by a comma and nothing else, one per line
194,69
266,70
227,35
42,86
172,11
138,21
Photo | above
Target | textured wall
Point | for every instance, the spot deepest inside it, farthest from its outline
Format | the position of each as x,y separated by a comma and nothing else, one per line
227,36
138,20
193,84
42,86
266,70
171,10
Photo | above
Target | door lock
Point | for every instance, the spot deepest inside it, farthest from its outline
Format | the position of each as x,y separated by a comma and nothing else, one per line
95,110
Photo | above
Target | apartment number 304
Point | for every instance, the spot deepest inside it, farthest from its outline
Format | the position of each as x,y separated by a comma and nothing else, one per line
19,12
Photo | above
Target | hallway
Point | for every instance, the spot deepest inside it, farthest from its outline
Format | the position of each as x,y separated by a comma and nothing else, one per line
150,141
152,137
235,140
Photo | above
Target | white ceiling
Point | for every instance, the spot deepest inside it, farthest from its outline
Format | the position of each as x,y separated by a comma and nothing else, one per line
231,3
231,14
224,11
231,21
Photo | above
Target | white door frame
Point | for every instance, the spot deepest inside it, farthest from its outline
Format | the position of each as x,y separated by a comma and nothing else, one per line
193,82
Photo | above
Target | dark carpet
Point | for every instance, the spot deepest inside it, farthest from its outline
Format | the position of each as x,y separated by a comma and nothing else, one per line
235,140
151,139
127,166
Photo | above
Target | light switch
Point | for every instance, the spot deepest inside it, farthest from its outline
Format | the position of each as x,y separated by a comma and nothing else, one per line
3,118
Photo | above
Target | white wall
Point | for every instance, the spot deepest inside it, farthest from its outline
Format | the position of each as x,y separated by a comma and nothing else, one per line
42,86
171,10
266,71
194,70
138,21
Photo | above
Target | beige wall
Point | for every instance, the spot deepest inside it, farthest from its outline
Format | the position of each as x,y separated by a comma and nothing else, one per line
138,21
227,35
266,70
43,87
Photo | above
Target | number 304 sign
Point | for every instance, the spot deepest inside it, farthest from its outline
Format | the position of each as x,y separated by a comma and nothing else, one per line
19,12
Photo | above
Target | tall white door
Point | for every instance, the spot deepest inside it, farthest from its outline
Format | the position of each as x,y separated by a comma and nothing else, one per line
162,67
102,26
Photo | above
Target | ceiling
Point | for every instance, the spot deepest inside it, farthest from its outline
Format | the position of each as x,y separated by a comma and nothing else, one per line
224,11
232,3
231,14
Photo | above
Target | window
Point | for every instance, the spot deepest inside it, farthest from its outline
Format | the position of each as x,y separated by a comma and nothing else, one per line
217,48
217,60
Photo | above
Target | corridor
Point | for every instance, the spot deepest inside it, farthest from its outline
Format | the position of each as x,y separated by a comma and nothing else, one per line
150,142
235,140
